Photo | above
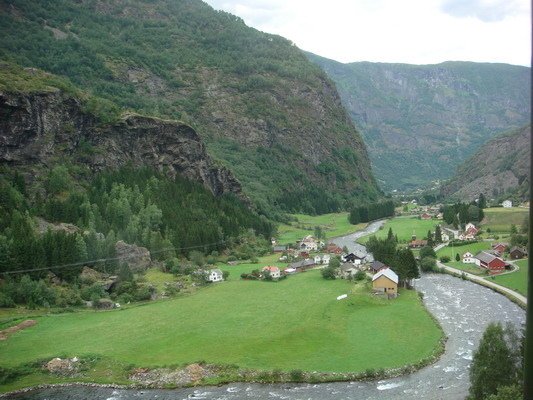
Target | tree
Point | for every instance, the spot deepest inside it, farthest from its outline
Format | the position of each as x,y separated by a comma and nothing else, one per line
329,273
514,231
390,235
334,263
225,275
428,264
438,234
482,201
427,251
455,222
430,239
457,257
496,362
405,266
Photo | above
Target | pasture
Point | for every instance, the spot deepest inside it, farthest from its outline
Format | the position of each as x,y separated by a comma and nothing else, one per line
296,323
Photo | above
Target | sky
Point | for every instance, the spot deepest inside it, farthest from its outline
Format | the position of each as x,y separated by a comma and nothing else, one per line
403,31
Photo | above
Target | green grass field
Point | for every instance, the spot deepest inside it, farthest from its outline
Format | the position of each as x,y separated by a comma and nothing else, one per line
404,227
333,225
473,248
500,219
515,280
235,271
293,324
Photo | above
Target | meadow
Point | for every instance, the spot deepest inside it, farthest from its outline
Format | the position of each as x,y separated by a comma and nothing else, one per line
333,225
473,248
499,219
516,280
296,323
404,228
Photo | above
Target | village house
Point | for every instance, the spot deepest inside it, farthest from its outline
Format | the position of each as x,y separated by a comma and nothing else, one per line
308,243
376,266
347,270
332,248
355,258
215,275
517,253
425,216
274,271
471,231
453,233
303,265
490,262
499,247
445,237
468,258
416,244
507,204
279,249
385,281
322,259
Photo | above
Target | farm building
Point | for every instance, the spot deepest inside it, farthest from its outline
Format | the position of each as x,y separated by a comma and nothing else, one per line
499,247
386,281
490,262
376,266
517,253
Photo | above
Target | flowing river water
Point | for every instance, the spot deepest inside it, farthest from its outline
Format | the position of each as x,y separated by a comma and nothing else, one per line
463,309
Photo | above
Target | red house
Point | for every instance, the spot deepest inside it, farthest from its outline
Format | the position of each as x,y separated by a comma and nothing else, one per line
490,262
425,216
334,249
499,247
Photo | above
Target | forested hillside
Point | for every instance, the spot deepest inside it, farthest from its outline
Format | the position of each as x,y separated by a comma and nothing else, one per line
420,121
500,169
265,111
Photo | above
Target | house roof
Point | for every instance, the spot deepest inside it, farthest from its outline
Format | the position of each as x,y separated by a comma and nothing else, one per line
217,271
303,263
280,248
347,266
485,257
271,268
376,265
520,249
387,272
468,254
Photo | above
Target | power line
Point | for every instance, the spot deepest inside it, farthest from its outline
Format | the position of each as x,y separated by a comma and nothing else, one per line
78,264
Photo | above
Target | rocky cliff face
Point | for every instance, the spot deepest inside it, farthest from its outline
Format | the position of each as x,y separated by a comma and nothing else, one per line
499,167
420,121
40,129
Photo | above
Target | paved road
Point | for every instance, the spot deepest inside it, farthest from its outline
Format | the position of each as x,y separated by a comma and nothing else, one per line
485,282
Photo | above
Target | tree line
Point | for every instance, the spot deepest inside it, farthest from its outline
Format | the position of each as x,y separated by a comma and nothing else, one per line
371,212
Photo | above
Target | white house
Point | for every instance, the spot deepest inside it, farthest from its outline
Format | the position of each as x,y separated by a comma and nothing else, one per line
274,271
445,237
322,259
215,275
468,258
308,243
507,204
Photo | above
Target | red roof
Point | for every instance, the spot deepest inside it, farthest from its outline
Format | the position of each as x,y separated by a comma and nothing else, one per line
271,268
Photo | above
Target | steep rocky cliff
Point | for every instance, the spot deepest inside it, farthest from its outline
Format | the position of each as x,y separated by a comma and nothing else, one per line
265,112
501,166
420,121
40,129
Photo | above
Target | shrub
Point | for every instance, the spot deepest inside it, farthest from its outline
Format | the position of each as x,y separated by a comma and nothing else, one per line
445,259
359,275
297,375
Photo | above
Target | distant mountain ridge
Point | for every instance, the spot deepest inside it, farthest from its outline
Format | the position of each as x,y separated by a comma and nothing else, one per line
264,110
420,121
501,167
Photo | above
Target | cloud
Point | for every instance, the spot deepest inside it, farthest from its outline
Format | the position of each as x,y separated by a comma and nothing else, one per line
484,10
408,31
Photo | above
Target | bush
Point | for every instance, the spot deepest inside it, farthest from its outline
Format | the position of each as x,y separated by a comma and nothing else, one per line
445,259
359,275
428,264
297,375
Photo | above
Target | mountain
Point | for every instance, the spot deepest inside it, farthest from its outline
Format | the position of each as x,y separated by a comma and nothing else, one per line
265,112
419,121
499,167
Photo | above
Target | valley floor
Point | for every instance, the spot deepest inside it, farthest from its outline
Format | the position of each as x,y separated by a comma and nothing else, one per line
294,324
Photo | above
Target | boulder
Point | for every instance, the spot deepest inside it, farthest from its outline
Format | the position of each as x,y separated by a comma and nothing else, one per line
138,258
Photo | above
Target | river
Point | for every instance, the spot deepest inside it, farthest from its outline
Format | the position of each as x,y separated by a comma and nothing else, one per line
463,309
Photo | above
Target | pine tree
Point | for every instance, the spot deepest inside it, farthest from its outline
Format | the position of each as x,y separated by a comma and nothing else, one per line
438,234
430,239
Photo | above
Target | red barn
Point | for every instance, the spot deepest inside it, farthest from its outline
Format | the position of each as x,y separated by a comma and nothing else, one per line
490,262
499,247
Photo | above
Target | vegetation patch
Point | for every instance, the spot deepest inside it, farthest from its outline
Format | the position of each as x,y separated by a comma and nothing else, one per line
517,280
404,228
499,219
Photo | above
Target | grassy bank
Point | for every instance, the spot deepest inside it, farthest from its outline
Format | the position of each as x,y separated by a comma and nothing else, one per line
517,280
332,225
404,228
293,324
499,219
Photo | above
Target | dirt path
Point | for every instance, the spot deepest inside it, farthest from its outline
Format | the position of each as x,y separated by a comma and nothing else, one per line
23,325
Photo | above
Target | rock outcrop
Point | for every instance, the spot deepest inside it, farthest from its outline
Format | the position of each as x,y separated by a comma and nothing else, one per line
39,129
138,258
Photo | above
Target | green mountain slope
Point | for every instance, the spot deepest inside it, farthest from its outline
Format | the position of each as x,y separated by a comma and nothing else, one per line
419,121
501,167
264,110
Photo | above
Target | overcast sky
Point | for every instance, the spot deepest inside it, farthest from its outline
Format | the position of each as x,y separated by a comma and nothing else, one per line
406,31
